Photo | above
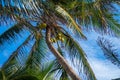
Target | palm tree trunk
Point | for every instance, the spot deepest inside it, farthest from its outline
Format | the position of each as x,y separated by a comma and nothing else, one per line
60,58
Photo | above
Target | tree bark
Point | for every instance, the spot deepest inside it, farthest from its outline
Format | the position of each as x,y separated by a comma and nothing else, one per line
59,57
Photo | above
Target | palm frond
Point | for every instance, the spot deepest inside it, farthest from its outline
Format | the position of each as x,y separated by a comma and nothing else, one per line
26,77
34,62
78,57
37,54
64,76
114,25
75,53
2,76
91,12
61,72
95,14
58,71
15,53
9,14
24,9
70,20
40,73
108,11
109,2
11,33
45,71
109,51
16,60
6,14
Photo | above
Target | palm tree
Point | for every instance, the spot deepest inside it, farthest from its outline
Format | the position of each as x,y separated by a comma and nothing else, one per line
50,34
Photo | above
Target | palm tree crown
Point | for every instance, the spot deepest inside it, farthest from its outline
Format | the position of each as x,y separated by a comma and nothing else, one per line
50,24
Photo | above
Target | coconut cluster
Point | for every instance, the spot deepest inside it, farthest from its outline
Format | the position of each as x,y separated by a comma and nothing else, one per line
59,37
42,26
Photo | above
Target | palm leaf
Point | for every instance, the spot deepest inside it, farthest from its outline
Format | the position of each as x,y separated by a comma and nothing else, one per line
58,71
109,51
2,76
39,73
15,53
95,14
26,77
109,2
9,13
11,33
78,57
5,14
114,25
34,62
70,20
106,11
37,54
44,73
16,60
15,30
23,9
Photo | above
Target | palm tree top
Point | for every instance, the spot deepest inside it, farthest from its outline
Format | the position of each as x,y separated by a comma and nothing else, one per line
54,20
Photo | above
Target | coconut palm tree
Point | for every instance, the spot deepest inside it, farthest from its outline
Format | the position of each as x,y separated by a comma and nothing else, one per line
49,23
